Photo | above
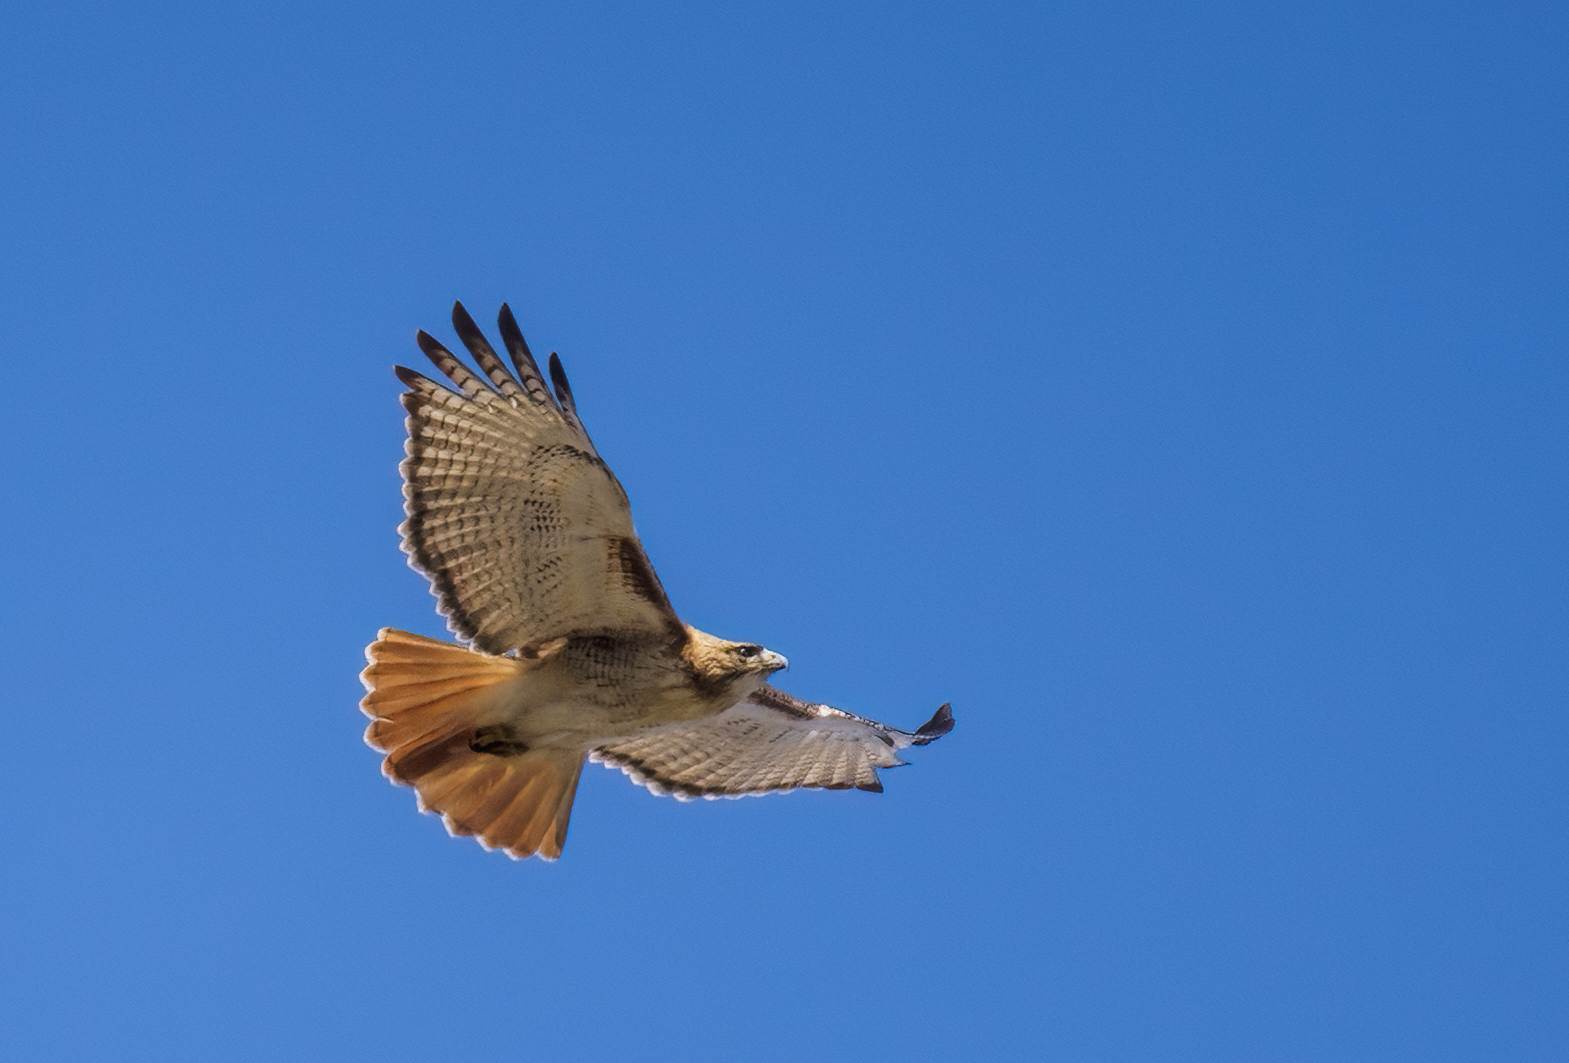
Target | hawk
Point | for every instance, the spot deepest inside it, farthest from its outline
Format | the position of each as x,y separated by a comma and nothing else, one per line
572,650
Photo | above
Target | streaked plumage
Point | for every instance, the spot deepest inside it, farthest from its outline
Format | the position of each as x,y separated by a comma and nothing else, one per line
574,651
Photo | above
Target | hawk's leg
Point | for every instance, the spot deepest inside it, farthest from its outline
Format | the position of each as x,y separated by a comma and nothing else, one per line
498,740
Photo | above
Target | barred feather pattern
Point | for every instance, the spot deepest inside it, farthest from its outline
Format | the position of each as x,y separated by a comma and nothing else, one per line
522,529
768,743
526,537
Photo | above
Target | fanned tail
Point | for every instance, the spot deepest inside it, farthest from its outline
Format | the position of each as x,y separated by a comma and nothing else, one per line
434,709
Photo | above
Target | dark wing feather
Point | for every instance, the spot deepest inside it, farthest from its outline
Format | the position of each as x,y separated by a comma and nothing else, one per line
769,742
522,357
522,529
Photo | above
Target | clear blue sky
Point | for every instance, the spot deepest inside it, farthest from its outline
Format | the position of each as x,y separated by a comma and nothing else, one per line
1180,390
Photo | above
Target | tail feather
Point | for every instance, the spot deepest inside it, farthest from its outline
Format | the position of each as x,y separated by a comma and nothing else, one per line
424,754
538,816
426,699
433,696
446,785
483,801
462,800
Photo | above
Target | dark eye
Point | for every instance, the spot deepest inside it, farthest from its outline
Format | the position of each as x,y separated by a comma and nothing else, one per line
749,651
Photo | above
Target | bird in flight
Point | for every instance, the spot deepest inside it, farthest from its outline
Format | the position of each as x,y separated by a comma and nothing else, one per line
572,650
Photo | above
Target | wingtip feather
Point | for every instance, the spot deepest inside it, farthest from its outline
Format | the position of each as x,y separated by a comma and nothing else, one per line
463,324
410,378
522,357
558,378
940,724
432,347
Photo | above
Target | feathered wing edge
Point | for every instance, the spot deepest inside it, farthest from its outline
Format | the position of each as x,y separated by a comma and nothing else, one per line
428,401
769,743
516,396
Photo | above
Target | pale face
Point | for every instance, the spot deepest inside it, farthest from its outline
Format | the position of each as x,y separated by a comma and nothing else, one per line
750,657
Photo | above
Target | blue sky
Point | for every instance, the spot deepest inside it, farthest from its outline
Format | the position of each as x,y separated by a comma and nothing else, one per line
1177,389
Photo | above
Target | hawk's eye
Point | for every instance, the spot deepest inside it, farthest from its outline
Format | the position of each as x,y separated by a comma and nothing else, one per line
749,651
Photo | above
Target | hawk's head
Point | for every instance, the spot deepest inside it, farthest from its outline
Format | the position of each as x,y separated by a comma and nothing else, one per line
750,657
737,667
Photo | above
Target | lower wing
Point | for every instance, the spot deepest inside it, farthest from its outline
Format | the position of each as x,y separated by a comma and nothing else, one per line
767,743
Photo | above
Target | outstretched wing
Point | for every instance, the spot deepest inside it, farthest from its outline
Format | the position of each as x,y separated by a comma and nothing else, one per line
522,529
771,741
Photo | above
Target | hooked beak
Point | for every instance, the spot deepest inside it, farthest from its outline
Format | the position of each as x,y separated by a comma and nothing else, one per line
773,662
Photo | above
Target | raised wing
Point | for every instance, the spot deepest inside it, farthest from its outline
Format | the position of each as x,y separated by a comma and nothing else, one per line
769,742
522,529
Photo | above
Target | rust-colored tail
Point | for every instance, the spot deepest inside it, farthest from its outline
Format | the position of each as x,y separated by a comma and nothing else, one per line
434,708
